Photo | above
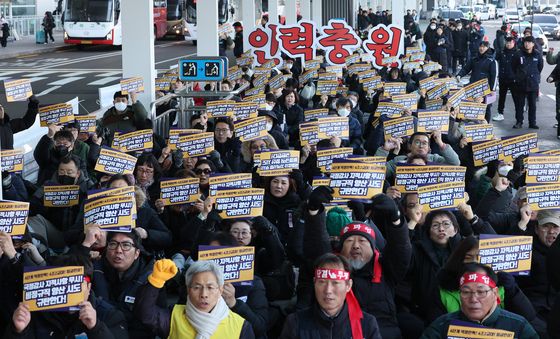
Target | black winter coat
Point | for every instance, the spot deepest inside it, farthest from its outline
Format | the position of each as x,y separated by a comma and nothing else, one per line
528,68
293,116
48,162
460,43
504,59
8,127
481,66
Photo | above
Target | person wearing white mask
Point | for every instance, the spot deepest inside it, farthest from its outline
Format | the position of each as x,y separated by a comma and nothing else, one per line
273,128
343,109
356,112
123,117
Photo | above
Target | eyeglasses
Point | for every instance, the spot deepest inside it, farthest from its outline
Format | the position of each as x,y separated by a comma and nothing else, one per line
200,171
420,143
199,288
125,245
244,234
477,294
221,130
445,225
145,170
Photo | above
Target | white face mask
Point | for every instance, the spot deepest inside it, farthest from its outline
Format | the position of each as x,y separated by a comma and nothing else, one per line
433,26
268,107
120,106
268,126
343,112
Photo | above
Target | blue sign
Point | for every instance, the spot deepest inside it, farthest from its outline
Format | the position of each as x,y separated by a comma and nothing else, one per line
203,69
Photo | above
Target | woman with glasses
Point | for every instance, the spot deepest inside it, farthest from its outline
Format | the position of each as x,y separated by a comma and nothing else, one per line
147,174
227,145
292,113
206,313
203,169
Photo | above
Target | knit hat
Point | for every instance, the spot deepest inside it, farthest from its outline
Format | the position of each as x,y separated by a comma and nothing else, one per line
337,218
358,228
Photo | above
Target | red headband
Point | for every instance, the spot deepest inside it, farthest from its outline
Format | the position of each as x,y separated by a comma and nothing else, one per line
363,228
354,310
481,278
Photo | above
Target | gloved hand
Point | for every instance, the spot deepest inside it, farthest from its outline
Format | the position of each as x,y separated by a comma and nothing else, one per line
507,281
321,195
177,158
215,157
358,210
262,225
382,204
164,270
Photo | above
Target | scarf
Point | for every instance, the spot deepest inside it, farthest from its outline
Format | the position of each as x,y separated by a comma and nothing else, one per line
204,323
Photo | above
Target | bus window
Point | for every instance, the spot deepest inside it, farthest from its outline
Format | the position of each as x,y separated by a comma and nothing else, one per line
223,8
175,9
89,10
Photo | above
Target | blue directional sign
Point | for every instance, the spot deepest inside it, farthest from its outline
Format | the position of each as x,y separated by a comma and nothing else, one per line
203,69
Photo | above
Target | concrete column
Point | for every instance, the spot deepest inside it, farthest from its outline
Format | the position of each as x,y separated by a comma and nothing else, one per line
248,17
398,11
316,12
290,11
273,11
138,45
305,8
207,28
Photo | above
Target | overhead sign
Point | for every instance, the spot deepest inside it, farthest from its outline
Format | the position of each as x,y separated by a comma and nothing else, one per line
203,69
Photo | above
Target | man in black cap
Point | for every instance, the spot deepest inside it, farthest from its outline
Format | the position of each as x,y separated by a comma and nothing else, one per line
527,65
238,39
506,74
482,66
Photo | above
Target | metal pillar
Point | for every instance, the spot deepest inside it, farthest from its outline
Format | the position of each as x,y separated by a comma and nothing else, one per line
398,11
305,8
207,40
316,12
138,57
290,11
273,11
248,17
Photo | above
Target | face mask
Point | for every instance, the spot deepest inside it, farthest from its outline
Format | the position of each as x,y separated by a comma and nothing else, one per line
120,106
268,107
268,126
343,112
432,26
66,180
61,151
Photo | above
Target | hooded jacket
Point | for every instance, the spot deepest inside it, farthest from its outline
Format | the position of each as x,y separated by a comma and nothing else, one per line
482,66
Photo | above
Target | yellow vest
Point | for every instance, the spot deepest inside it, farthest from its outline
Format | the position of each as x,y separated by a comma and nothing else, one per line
181,328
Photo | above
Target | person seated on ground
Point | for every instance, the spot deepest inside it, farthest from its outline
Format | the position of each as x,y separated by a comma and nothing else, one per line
335,312
51,149
96,319
206,313
479,306
122,117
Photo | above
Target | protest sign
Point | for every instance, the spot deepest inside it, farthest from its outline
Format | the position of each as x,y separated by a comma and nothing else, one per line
195,145
430,67
409,177
309,133
277,82
463,330
220,108
274,163
417,57
125,190
445,195
18,90
486,151
12,160
259,99
251,129
356,180
328,76
437,92
358,68
245,110
469,110
434,105
550,152
313,114
226,28
477,89
427,83
255,91
179,191
136,141
408,101
326,156
13,217
111,161
541,169
429,121
163,84
239,203
237,262
370,73
259,71
244,60
352,59
456,97
413,50
394,88
176,133
57,114
310,73
333,127
388,108
86,123
513,147
372,160
61,195
259,82
312,64
479,132
53,288
134,84
234,73
327,87
543,197
387,61
505,253
398,127
111,213
412,65
228,181
372,84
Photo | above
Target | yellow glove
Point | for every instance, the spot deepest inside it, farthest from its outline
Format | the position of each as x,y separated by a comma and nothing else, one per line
164,270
